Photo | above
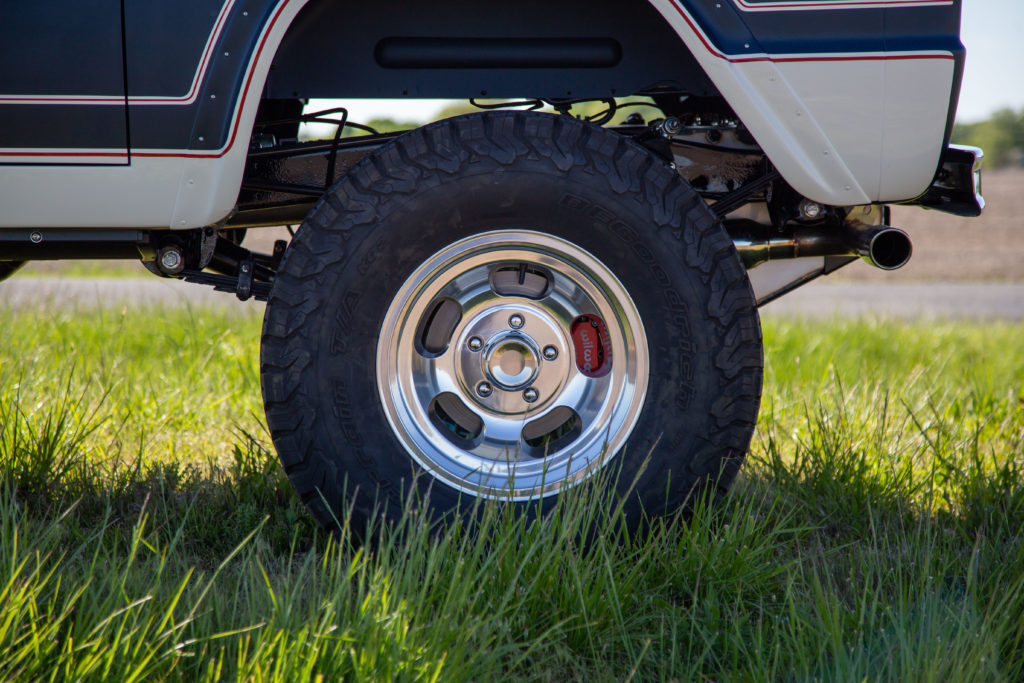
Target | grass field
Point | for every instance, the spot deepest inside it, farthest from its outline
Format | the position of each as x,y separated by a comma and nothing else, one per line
146,531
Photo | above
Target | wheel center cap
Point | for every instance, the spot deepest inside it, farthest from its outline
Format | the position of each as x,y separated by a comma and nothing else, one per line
511,362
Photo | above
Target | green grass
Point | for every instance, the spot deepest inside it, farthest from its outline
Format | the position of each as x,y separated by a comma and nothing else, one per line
146,531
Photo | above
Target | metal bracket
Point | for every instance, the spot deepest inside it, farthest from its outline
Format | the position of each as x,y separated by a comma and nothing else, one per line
740,195
208,245
243,288
278,255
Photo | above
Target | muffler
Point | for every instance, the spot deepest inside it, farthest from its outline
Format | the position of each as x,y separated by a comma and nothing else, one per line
882,246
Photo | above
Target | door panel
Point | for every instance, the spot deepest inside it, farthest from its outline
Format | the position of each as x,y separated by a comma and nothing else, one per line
62,82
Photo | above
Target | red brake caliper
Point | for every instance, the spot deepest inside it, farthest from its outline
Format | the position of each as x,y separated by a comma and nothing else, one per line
592,344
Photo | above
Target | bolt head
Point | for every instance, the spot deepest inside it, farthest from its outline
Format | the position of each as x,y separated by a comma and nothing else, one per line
550,352
475,343
170,259
530,395
484,389
811,210
515,321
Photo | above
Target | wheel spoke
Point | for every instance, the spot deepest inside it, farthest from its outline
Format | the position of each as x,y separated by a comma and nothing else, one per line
502,432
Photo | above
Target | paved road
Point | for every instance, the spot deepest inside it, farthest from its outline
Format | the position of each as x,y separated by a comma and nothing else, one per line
964,300
93,292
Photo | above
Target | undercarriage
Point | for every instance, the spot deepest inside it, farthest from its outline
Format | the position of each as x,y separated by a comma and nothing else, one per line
784,240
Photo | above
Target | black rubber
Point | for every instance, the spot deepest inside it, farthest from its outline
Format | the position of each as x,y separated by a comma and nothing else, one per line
8,268
488,171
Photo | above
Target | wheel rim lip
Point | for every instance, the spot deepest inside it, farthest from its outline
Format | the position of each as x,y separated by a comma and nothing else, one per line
625,387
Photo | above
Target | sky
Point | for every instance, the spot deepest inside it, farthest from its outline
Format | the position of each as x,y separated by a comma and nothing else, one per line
993,76
994,73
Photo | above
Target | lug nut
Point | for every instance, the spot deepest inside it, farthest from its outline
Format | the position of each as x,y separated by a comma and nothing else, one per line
530,395
475,343
484,389
515,321
550,352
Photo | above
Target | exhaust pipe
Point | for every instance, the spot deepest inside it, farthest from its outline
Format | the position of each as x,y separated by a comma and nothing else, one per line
882,246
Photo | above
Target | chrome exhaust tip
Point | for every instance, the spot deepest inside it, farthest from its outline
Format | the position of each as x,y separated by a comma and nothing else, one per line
884,247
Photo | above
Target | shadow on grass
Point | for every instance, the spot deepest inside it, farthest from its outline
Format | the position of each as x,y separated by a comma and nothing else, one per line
45,463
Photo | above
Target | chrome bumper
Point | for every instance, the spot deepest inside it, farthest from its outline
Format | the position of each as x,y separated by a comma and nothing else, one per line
957,186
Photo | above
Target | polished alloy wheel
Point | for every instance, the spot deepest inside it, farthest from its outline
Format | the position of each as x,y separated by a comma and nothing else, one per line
512,364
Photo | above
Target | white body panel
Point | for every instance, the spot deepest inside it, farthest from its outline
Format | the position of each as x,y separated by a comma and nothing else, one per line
915,99
829,124
886,124
140,195
841,130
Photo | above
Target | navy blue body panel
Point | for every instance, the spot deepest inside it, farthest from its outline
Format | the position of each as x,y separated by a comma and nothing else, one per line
165,42
159,65
782,32
74,48
464,48
49,47
69,49
53,126
924,28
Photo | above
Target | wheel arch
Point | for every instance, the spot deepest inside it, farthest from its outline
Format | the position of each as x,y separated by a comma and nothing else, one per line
450,49
663,43
286,60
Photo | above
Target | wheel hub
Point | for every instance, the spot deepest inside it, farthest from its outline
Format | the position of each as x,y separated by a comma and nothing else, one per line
511,361
501,350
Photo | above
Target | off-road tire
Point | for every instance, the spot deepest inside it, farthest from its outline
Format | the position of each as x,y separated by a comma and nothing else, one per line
507,171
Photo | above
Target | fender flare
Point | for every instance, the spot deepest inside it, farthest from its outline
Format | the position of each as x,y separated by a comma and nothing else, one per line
764,90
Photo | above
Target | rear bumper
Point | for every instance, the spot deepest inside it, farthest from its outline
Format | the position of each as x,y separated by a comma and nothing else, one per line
956,188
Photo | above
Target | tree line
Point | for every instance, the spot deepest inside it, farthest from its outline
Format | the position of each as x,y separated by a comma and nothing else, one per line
1001,136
